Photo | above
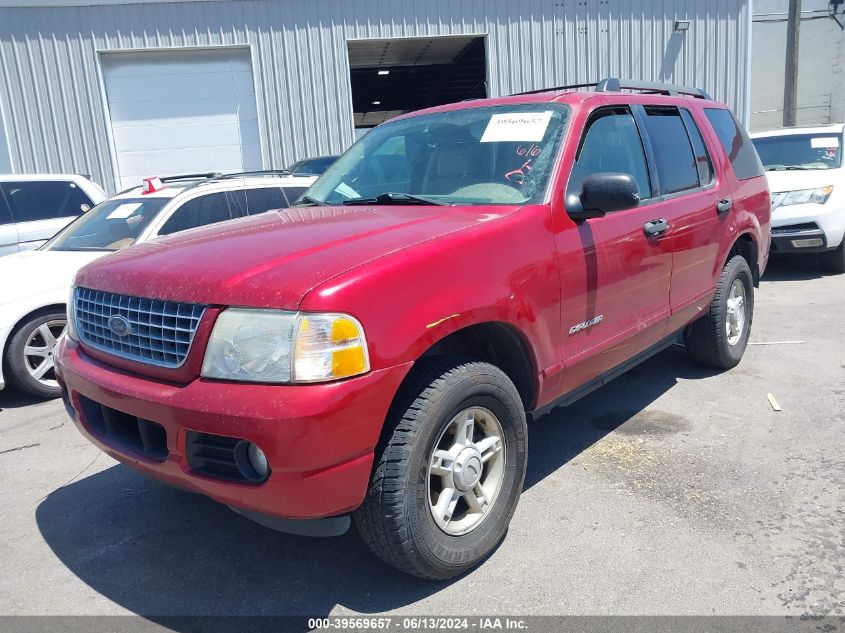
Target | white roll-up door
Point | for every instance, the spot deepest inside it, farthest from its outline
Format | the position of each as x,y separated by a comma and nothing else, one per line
176,112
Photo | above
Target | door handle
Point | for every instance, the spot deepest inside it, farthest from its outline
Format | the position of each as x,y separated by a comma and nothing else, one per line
656,227
724,205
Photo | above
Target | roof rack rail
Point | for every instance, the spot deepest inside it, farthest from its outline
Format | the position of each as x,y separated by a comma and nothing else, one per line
614,84
206,175
258,172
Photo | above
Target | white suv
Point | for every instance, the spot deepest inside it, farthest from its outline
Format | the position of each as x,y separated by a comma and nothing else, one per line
34,207
807,181
35,284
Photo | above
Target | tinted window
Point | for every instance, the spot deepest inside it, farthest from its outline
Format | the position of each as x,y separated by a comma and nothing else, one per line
207,209
735,141
5,216
676,166
109,226
800,151
252,201
44,200
293,193
612,144
702,158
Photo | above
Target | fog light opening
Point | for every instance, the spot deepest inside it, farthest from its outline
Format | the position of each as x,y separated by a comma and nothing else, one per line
252,462
808,243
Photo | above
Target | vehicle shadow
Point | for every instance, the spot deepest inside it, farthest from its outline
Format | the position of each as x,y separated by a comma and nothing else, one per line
793,268
11,399
161,552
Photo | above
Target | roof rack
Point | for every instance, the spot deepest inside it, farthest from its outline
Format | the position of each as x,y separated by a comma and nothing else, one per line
206,175
613,84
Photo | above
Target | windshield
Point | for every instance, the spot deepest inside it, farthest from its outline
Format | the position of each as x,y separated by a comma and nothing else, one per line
800,151
111,225
487,155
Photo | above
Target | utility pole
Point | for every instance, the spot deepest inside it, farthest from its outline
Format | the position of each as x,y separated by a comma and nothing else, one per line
790,87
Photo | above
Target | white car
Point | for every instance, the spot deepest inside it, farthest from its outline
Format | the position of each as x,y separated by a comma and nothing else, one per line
34,285
34,207
807,181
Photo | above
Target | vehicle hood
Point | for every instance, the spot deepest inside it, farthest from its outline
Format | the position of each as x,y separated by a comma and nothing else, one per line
274,259
796,180
31,273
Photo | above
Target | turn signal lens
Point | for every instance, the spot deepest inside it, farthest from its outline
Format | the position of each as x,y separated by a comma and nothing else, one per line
328,347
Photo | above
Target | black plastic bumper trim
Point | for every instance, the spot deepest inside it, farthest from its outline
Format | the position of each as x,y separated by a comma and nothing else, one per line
328,526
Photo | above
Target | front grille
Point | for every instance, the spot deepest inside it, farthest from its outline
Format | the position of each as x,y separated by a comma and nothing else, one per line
159,333
795,228
142,437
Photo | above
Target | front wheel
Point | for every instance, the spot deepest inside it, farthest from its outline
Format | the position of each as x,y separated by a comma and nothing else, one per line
448,471
719,338
29,355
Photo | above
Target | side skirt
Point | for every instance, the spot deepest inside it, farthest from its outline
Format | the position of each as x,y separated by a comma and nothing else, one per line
603,379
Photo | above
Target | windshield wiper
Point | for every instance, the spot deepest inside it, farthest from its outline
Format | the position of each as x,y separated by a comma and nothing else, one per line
792,168
309,201
390,197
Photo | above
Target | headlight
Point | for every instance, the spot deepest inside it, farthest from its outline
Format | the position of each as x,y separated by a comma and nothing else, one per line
71,315
284,347
805,196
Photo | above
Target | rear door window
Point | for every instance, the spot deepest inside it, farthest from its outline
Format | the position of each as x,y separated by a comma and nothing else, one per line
251,201
677,170
30,201
735,141
5,216
208,209
293,193
611,144
702,157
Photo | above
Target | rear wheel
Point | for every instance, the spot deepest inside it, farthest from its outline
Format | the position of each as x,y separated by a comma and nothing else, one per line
719,338
834,261
448,471
29,355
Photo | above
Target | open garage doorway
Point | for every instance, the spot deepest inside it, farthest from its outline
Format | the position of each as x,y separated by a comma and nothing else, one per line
394,76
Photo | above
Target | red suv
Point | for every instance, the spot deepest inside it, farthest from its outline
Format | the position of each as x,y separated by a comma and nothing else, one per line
373,353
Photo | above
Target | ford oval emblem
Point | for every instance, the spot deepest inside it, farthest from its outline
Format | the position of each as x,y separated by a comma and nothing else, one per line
119,325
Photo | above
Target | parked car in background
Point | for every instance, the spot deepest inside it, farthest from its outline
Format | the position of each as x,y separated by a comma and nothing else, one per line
807,181
35,284
378,354
34,207
312,166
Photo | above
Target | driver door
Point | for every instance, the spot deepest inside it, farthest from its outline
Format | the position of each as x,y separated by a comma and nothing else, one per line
615,300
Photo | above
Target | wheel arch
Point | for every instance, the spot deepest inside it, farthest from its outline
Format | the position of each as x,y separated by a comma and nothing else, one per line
498,343
46,309
746,246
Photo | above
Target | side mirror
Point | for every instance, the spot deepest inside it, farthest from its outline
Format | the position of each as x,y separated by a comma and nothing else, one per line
603,193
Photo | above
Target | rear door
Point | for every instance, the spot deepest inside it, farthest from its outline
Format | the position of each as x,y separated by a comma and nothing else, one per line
8,230
689,203
615,300
41,208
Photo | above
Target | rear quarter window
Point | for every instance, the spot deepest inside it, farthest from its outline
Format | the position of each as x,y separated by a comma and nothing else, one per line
739,148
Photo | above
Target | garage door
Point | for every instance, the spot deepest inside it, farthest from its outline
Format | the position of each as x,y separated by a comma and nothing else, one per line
181,111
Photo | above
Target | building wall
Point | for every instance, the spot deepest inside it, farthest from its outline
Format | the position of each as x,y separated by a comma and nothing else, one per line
51,94
821,65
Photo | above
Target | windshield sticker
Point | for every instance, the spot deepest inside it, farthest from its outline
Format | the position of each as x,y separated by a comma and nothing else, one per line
526,127
124,211
823,142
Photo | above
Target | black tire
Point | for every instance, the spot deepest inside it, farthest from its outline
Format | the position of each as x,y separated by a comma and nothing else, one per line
834,261
707,339
15,368
395,519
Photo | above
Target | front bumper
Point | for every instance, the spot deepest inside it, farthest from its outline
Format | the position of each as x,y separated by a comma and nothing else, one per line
319,439
815,223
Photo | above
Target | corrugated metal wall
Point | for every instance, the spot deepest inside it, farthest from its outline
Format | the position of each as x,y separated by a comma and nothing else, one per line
53,103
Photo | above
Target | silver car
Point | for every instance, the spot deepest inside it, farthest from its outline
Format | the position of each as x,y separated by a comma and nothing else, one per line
34,207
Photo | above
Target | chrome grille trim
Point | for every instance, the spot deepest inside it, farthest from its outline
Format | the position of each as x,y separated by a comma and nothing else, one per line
162,332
